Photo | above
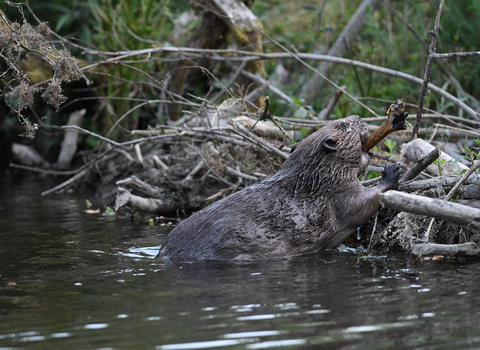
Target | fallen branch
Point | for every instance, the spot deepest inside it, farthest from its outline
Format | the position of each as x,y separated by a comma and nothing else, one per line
421,165
236,173
148,205
469,249
455,54
69,182
418,149
252,56
259,80
462,180
142,187
257,140
471,188
439,209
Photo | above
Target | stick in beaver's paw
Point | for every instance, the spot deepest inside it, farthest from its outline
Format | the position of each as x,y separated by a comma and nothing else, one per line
315,201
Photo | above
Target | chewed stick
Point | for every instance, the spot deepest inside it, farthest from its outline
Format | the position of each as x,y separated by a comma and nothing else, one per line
395,121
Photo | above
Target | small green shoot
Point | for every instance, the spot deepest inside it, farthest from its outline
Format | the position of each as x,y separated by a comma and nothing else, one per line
390,145
439,163
471,154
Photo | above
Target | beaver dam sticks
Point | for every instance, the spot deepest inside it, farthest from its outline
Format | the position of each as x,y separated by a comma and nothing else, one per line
315,201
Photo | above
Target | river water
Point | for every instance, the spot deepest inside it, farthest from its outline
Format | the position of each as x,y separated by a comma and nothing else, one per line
70,280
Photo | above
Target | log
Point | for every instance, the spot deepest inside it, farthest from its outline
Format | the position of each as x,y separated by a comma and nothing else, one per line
147,205
440,209
469,249
418,149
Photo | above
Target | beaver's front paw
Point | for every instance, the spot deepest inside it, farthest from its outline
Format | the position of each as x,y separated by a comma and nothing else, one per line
390,175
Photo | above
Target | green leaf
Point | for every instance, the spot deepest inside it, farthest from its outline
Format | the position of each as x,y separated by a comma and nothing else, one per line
296,100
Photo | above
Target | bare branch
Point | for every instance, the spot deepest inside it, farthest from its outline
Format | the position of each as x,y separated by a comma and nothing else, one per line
428,69
455,54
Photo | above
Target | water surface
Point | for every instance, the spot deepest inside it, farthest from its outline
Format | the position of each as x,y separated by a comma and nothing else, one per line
69,280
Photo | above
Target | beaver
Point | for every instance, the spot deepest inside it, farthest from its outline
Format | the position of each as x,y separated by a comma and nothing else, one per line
314,202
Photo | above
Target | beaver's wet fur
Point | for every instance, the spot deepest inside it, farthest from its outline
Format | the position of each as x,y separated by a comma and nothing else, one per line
314,202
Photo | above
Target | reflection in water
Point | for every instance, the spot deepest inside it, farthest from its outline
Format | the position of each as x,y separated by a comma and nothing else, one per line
72,280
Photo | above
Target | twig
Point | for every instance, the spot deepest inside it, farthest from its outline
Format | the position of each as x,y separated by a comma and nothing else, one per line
421,165
230,82
252,56
464,178
428,69
87,132
255,139
373,231
259,80
294,55
194,171
327,111
68,182
266,115
455,54
44,171
231,171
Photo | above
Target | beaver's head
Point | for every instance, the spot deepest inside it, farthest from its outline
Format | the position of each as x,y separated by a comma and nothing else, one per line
333,152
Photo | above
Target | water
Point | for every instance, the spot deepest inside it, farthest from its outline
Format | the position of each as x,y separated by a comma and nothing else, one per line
69,280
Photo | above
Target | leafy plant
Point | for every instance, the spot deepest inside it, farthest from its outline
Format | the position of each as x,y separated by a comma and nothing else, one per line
439,163
390,145
471,154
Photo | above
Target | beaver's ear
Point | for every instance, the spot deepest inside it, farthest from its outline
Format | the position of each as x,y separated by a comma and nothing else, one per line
293,147
330,144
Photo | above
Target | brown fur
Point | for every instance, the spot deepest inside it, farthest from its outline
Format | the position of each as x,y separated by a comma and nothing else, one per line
315,201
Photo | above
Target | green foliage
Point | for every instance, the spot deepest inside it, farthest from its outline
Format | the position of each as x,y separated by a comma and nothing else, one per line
390,145
439,163
472,154
128,25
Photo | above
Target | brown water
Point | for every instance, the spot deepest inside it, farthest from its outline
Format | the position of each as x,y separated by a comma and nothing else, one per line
69,280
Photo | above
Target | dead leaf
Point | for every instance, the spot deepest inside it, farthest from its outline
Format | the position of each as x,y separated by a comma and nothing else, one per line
91,211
